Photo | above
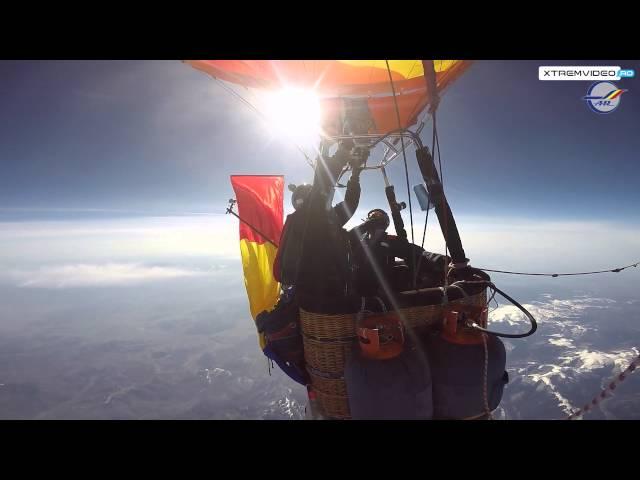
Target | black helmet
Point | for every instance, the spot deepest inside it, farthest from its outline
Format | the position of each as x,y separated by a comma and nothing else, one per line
300,194
379,215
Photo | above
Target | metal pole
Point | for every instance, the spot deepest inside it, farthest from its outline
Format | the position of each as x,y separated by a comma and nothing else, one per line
232,202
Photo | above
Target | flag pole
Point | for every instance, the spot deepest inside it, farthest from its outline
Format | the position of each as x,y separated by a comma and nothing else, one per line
232,202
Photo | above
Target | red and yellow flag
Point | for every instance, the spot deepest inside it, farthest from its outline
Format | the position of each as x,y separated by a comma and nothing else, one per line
260,205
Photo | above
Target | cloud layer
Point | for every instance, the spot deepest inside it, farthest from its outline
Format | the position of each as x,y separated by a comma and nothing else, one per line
96,275
572,358
118,240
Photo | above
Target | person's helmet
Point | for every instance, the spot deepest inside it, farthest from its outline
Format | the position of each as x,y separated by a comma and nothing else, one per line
379,215
300,194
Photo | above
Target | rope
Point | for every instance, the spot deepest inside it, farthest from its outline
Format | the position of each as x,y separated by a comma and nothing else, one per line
613,270
490,299
435,150
485,381
424,235
426,220
609,388
436,145
404,157
424,232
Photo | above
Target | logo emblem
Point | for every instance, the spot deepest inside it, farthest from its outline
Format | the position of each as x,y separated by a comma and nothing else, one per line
603,97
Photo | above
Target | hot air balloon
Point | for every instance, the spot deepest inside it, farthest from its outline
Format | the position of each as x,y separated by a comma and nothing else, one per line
346,337
365,92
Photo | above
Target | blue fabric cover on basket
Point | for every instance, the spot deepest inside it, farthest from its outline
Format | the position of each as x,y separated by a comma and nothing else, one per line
395,389
458,376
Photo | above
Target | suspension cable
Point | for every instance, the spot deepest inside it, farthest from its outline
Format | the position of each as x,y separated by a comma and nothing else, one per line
435,148
404,157
424,235
426,220
611,270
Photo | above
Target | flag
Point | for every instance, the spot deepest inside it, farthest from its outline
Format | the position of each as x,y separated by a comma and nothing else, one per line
260,207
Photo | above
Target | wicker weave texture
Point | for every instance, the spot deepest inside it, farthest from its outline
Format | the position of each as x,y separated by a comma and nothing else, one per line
329,339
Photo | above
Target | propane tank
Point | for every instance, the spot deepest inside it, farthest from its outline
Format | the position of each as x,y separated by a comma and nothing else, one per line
387,374
457,361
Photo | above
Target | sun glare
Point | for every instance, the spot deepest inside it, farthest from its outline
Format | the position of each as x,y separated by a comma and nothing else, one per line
294,113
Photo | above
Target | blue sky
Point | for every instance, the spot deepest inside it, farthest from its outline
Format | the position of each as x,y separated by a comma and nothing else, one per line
529,170
161,136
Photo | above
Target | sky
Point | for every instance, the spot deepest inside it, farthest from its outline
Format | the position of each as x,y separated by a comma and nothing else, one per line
106,140
161,136
120,274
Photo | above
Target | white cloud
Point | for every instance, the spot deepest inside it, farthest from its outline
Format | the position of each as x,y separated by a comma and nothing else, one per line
532,245
99,241
563,328
92,275
574,365
546,380
490,243
563,315
216,372
562,342
586,360
509,314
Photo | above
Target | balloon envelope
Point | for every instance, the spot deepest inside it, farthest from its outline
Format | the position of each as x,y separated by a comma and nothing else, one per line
357,92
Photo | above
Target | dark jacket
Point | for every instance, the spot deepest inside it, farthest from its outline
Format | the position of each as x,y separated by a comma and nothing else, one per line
375,257
287,263
324,263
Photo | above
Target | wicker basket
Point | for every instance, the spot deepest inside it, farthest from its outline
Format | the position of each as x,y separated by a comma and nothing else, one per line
330,386
430,316
334,406
329,339
321,326
326,356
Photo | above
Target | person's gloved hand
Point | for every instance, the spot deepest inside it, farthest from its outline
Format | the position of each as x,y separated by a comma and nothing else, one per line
342,157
